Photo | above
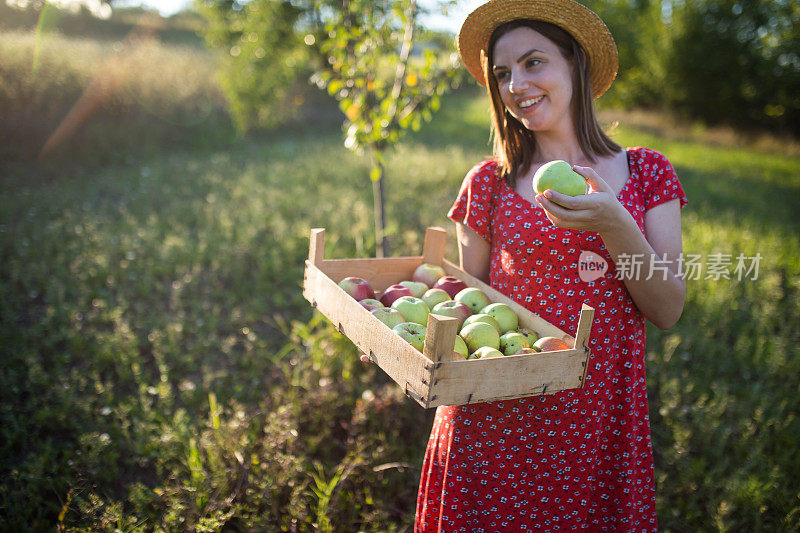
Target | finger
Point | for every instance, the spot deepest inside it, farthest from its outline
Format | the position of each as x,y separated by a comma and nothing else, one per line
564,200
593,179
560,216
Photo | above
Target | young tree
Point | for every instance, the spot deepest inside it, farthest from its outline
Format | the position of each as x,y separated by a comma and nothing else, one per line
385,78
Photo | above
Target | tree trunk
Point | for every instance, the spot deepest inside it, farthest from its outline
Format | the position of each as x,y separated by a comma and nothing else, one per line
381,242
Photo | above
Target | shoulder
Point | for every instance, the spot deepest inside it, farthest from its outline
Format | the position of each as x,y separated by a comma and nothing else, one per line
487,169
484,175
647,157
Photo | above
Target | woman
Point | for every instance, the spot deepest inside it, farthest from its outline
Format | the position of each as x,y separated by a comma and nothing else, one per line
578,459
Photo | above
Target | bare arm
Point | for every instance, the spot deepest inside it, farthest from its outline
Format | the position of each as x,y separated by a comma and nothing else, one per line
660,298
473,252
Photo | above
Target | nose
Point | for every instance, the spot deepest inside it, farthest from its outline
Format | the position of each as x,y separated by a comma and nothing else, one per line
516,84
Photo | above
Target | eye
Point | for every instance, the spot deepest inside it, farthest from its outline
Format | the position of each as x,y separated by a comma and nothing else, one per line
532,62
500,75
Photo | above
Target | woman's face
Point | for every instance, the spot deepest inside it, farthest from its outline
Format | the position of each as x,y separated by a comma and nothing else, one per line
534,80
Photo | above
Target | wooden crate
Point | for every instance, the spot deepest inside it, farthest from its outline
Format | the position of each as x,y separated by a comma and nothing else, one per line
435,377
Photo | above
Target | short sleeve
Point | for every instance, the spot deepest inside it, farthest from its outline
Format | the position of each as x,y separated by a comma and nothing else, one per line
475,203
660,183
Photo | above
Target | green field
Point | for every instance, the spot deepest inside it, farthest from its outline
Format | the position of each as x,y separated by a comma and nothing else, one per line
160,370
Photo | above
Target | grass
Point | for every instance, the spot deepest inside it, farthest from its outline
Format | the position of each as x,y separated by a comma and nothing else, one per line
160,370
127,97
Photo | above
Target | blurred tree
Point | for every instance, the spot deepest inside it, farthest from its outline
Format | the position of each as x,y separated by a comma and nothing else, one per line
385,78
263,56
736,61
721,61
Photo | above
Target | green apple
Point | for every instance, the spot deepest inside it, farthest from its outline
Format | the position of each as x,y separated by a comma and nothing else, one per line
370,303
428,274
530,335
512,342
487,352
559,176
474,298
488,319
435,296
416,287
480,334
504,315
454,309
413,309
461,347
412,333
390,317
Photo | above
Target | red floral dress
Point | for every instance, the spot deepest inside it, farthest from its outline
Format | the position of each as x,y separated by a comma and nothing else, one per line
579,459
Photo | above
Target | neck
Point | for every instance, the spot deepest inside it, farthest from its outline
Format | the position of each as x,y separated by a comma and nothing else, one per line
559,145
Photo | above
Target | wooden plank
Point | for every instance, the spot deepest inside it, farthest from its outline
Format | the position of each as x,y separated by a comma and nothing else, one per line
316,246
404,364
584,327
379,273
472,381
440,338
526,319
433,249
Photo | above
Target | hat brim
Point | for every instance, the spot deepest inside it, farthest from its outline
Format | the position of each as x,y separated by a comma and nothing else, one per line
581,22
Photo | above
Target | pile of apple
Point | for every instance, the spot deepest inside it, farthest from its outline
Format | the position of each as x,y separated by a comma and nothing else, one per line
486,329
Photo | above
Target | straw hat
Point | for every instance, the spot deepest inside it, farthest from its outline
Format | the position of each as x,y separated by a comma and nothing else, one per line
581,22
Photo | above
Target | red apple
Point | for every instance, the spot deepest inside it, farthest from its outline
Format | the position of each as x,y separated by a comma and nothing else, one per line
454,309
357,288
550,344
450,284
428,274
393,292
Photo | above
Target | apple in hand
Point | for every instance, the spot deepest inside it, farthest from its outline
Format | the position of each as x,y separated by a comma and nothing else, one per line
480,334
473,297
416,287
450,284
357,288
488,319
412,333
559,176
387,315
487,352
370,303
454,309
428,274
435,296
504,315
413,309
512,342
393,292
551,344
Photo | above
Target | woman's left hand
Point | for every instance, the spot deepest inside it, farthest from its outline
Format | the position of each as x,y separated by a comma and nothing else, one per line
598,210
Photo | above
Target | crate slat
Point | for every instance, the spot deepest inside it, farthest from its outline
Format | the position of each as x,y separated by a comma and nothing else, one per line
502,378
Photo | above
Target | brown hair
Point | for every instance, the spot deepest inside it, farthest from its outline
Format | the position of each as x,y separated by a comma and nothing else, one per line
514,144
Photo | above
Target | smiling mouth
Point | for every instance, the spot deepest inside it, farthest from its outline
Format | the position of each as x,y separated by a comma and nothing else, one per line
530,101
